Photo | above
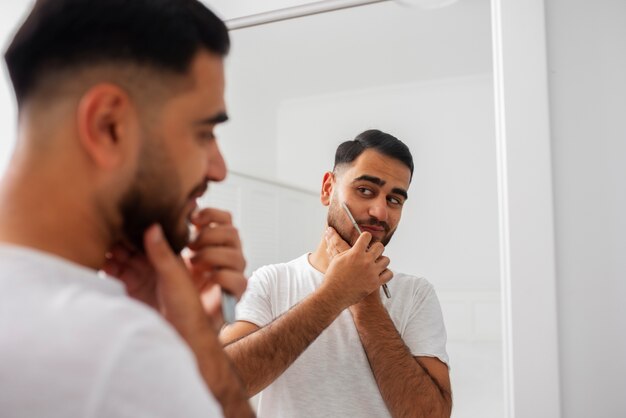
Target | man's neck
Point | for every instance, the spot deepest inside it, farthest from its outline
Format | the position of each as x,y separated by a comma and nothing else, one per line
319,258
40,212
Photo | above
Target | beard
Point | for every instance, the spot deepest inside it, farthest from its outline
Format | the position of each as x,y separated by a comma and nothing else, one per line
339,220
154,197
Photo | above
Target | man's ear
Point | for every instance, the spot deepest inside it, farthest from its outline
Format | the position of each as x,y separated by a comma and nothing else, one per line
106,121
328,183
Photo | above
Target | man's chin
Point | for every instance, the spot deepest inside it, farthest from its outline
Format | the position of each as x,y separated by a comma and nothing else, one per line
177,241
129,245
386,239
134,241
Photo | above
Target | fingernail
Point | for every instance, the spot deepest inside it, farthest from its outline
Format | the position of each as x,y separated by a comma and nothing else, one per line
193,233
157,234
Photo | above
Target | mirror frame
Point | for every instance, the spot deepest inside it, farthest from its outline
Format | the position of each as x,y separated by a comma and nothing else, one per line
525,201
525,197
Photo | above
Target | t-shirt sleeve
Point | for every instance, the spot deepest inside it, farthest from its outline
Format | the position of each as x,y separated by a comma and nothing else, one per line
151,373
425,333
255,305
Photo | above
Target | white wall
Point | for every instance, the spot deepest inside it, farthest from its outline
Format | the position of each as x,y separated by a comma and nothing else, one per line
275,222
587,76
339,51
10,15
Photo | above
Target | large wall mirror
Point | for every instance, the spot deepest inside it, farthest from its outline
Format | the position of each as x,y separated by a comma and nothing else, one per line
302,80
464,85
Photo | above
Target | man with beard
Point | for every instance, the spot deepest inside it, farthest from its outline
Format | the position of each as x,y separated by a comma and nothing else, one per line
317,336
117,105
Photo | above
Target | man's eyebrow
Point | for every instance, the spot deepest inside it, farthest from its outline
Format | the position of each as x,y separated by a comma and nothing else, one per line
376,180
380,182
401,192
221,117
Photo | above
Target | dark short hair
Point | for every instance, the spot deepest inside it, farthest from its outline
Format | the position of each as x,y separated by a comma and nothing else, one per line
65,34
380,141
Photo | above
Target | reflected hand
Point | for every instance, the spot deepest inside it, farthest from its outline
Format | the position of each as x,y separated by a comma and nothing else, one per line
354,273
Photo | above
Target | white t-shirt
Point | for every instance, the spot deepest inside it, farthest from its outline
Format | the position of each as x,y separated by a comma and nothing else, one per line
73,344
332,377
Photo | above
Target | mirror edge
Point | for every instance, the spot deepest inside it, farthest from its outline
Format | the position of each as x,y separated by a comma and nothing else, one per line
300,10
525,203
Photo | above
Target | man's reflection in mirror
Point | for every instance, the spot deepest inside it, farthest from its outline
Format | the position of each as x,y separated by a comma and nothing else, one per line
317,337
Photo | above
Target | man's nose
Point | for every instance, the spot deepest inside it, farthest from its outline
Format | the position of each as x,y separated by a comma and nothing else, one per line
378,209
216,168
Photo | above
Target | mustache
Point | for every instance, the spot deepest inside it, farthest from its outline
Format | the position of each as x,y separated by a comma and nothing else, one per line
375,222
199,190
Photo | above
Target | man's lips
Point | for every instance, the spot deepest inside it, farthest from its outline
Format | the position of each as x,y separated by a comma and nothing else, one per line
198,194
372,228
199,190
192,202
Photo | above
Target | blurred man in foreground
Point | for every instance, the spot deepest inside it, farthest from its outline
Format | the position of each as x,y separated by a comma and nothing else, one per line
117,103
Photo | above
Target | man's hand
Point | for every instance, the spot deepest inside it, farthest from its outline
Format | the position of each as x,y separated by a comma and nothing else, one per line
176,294
135,271
354,273
262,354
216,259
143,276
180,304
400,377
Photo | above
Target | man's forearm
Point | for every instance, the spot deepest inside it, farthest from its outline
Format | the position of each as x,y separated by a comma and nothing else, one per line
265,354
405,385
221,377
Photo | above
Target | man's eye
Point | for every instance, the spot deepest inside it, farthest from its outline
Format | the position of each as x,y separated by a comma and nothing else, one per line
207,136
364,191
394,201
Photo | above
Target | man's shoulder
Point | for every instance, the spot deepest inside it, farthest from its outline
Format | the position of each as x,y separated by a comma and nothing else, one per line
412,280
90,318
53,301
72,323
109,349
273,270
410,286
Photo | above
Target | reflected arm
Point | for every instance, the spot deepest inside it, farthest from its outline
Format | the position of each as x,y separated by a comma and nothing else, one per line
261,355
410,386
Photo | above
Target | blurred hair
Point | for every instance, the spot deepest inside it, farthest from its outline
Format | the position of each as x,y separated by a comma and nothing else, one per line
69,35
